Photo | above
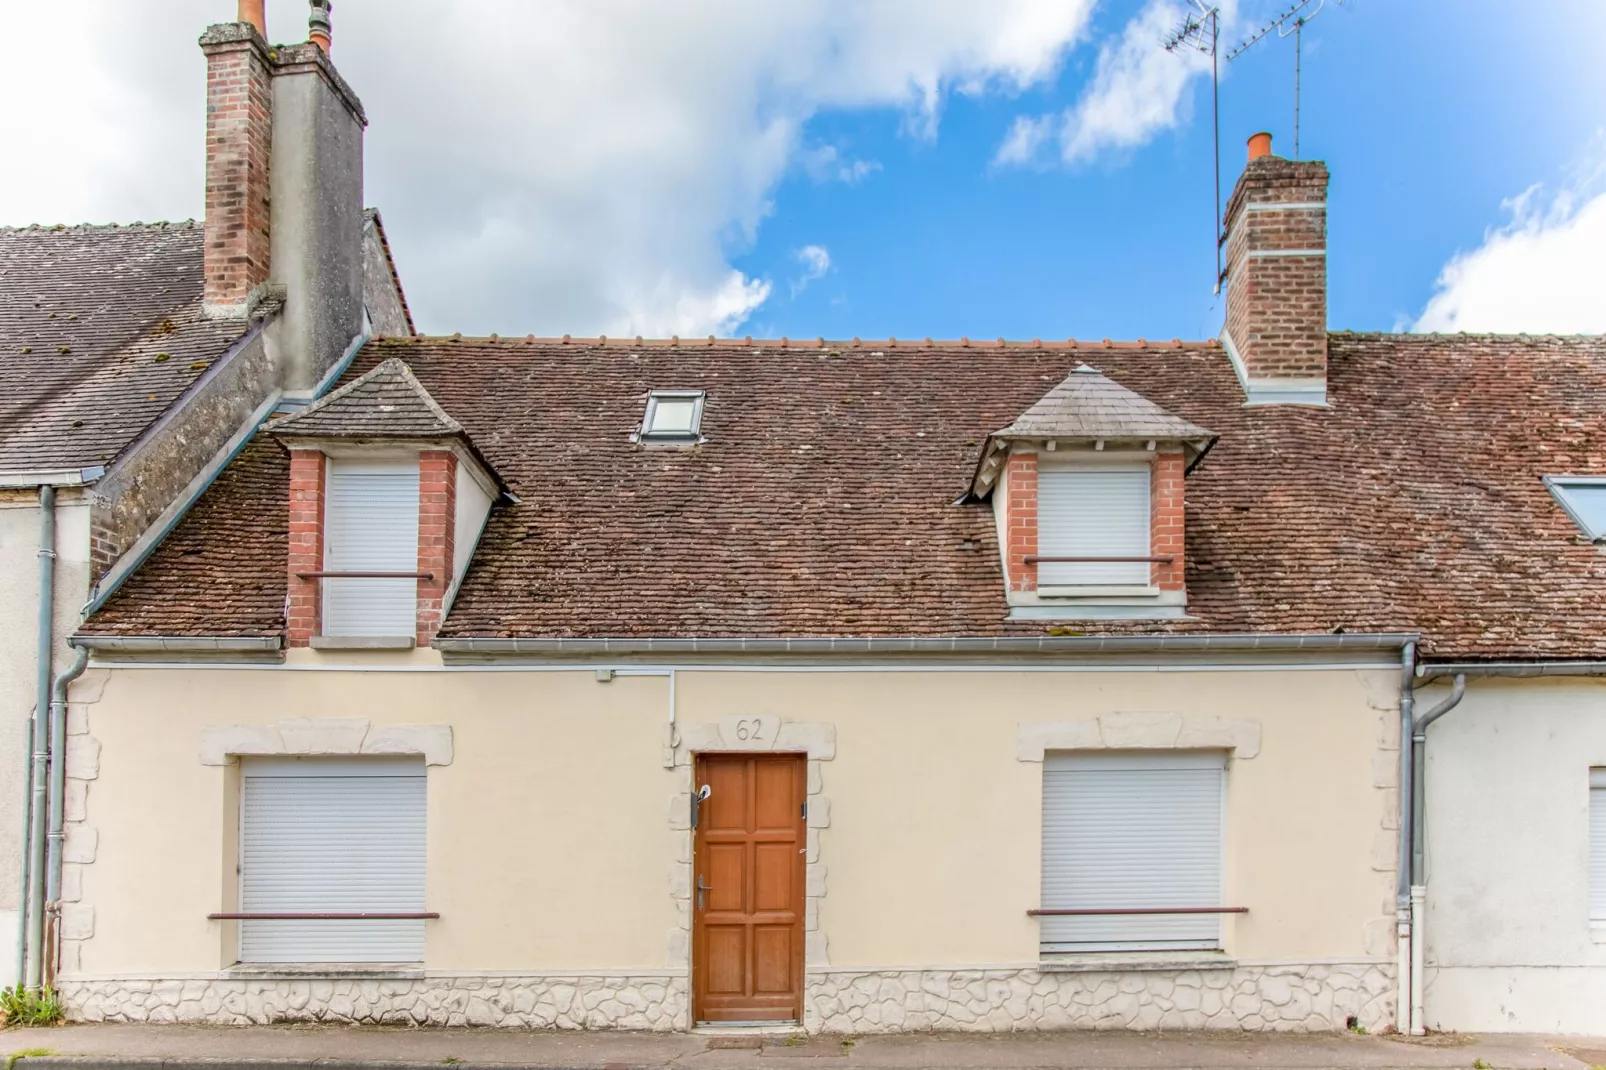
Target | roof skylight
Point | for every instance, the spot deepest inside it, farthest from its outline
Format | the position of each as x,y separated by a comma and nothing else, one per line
1584,498
673,416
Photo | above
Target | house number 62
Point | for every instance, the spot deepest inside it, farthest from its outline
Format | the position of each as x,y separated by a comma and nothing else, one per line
749,731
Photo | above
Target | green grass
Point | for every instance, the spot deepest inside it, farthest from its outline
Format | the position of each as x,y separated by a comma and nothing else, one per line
18,1006
11,1060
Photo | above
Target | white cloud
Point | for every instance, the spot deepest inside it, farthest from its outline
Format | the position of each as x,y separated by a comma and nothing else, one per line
1543,272
825,163
1138,90
570,166
1025,139
816,261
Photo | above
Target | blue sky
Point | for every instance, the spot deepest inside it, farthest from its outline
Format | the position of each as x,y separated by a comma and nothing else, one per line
839,167
1429,115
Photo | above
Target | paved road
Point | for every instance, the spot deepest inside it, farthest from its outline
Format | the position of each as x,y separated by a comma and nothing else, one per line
329,1047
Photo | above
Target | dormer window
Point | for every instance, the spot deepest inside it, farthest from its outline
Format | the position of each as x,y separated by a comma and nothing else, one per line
388,496
1087,491
673,416
370,549
1093,524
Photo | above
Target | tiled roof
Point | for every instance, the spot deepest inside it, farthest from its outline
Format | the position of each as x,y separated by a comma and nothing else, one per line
823,501
101,330
387,402
1086,404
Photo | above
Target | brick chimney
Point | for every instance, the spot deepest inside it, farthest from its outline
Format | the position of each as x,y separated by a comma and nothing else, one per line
284,190
1276,329
239,139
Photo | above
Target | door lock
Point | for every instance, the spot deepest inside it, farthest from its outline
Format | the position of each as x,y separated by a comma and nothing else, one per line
701,888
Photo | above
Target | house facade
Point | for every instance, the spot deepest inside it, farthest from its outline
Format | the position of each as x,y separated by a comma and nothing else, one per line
866,686
138,360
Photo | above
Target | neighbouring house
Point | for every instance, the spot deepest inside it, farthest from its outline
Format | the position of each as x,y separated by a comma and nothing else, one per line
136,362
868,686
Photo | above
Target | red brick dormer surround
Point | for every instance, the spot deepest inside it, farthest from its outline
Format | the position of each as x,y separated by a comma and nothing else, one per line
437,514
302,617
1166,536
1020,481
1165,525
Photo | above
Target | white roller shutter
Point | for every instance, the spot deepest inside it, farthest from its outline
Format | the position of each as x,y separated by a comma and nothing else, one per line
327,836
1092,511
1130,830
1597,845
370,525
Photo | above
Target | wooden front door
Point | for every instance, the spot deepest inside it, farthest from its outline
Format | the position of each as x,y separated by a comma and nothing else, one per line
747,890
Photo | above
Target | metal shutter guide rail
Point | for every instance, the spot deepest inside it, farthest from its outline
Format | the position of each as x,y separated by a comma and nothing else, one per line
1042,913
349,575
366,915
1032,559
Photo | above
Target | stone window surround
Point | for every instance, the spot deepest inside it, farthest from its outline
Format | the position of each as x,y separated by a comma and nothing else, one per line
756,733
324,737
1138,731
306,737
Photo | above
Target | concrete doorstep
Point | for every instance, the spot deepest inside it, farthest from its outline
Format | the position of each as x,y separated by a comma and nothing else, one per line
332,1047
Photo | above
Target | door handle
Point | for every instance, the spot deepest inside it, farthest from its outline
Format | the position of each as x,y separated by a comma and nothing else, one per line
701,888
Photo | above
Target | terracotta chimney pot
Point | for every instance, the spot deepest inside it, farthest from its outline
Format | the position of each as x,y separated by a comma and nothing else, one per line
1259,145
252,11
319,31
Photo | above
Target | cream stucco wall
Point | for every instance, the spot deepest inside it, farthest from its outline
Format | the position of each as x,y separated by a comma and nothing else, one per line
551,831
1509,943
19,608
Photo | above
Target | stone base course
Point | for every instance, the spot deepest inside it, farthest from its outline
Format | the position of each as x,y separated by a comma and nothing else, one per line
1278,998
543,1002
1312,998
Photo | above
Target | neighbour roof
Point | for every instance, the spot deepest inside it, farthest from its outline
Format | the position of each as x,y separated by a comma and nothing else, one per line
387,402
1086,404
101,330
371,216
823,501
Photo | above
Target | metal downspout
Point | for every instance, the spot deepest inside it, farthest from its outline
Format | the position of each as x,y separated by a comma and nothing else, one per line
1402,891
1419,748
58,793
33,781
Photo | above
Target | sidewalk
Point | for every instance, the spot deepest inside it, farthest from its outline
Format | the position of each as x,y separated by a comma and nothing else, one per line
327,1047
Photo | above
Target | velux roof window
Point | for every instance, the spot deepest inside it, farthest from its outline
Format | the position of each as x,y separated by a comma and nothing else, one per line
1584,498
673,416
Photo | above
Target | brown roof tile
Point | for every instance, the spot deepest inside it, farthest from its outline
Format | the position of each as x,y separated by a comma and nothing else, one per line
822,502
101,330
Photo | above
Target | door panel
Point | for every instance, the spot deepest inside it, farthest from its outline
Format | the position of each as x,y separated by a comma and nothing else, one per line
747,928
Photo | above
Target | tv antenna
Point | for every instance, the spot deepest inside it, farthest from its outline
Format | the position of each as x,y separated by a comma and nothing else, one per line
1201,32
1291,23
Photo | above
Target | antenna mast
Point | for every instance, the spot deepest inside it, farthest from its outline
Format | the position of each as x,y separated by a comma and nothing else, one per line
1201,31
1290,22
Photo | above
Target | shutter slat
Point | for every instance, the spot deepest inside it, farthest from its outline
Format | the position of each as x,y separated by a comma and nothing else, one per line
370,525
332,844
1092,511
1130,831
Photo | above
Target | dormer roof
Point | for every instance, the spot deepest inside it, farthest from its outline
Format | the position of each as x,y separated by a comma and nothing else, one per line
1090,408
387,402
1088,405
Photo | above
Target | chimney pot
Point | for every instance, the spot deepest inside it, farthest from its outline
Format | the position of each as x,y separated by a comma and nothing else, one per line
251,11
319,31
1259,145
